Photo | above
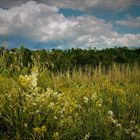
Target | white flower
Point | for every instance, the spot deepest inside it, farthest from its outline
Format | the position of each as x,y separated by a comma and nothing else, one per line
51,105
94,96
99,105
55,93
114,121
133,134
118,125
34,82
85,99
126,131
62,111
34,71
132,122
37,111
87,136
25,125
110,113
55,117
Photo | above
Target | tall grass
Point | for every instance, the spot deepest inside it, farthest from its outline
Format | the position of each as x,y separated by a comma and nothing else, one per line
90,104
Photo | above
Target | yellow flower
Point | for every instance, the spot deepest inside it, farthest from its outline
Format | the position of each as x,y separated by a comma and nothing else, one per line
37,130
56,136
24,80
43,128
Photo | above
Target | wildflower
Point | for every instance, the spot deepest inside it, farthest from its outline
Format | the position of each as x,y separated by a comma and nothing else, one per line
118,125
51,105
87,136
55,93
37,111
33,82
30,81
34,71
56,136
43,128
99,105
37,130
133,134
25,125
109,118
62,111
55,117
94,96
24,80
114,121
126,131
110,113
132,122
85,99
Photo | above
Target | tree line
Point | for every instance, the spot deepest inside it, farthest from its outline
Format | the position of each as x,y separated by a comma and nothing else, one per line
62,60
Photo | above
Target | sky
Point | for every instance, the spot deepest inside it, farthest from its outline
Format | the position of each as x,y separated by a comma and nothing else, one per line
65,24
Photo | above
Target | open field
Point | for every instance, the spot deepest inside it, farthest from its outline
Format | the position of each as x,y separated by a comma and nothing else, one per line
90,105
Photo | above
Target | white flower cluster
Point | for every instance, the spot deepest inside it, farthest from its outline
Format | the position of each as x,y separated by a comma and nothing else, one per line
29,81
87,136
133,130
112,120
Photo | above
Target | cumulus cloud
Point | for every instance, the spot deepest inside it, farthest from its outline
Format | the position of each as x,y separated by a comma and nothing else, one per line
43,23
132,22
86,5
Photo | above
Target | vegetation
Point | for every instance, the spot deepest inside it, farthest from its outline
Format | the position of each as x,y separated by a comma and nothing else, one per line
63,60
70,95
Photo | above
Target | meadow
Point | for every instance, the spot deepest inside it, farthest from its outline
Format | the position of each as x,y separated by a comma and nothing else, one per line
91,104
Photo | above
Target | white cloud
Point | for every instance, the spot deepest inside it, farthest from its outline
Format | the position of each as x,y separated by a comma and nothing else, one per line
42,23
130,22
86,5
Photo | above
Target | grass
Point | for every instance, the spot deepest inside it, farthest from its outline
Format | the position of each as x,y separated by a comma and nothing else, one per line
95,104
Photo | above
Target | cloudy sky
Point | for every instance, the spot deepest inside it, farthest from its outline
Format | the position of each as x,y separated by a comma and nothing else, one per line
65,24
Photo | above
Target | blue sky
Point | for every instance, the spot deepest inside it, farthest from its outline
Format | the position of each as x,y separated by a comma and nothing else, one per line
67,24
133,11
